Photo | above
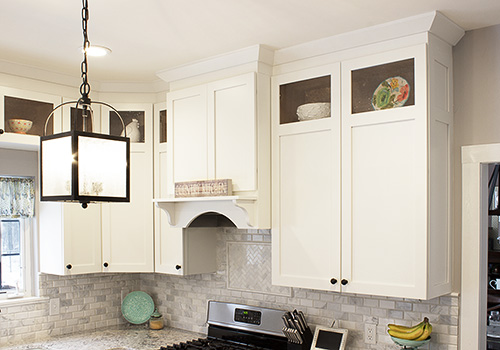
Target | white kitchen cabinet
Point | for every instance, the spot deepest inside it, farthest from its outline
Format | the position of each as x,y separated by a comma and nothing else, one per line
178,251
306,180
391,235
70,238
396,166
221,130
127,228
212,132
27,105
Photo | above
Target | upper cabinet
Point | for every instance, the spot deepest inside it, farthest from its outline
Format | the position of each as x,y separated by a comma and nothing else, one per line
396,166
306,177
221,130
362,192
23,117
128,227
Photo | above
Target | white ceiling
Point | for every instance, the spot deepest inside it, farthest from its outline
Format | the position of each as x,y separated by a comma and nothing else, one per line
147,36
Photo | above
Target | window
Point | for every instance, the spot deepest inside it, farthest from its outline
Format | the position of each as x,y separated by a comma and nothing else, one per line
16,211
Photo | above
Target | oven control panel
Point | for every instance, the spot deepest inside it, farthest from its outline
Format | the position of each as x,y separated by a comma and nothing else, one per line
247,316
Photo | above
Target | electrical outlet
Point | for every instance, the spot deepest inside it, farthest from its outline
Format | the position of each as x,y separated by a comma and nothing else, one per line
370,333
54,306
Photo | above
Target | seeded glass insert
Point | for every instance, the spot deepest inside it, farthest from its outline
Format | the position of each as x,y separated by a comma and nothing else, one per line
36,111
294,94
129,118
366,81
163,126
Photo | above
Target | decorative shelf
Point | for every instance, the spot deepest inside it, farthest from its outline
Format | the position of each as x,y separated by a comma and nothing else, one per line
182,211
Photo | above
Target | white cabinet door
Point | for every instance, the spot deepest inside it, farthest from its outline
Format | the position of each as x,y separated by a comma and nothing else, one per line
306,182
187,135
386,181
82,244
127,228
232,131
70,238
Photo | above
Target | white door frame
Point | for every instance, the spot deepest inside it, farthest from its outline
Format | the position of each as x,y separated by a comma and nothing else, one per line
473,300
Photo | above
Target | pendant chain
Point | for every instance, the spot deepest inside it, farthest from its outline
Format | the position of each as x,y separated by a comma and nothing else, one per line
85,87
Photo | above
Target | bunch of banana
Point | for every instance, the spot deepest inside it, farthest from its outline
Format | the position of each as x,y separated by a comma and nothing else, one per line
419,332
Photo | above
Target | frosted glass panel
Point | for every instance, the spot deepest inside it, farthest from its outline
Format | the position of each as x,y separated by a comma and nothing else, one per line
102,167
56,167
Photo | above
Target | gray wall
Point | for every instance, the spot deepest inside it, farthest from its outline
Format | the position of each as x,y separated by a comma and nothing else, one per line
476,60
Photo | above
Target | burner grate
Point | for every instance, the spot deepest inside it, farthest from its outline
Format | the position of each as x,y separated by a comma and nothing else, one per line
209,344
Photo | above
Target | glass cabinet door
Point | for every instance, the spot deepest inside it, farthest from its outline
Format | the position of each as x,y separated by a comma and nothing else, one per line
305,100
25,116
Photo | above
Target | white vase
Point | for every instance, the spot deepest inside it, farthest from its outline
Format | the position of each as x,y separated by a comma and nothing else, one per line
133,132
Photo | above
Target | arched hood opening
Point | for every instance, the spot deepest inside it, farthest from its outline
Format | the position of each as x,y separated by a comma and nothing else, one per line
211,219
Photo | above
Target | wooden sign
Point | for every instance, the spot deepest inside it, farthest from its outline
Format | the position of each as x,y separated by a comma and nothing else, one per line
204,188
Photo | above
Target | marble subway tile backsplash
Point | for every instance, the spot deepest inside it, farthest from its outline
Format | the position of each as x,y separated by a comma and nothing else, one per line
93,301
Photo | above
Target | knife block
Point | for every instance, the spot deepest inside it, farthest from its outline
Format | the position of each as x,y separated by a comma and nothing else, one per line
306,345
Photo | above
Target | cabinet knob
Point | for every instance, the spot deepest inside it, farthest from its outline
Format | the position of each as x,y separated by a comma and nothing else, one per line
344,282
105,264
178,267
1,131
333,281
69,266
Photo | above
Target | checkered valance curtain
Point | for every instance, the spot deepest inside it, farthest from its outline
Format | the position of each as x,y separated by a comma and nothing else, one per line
17,197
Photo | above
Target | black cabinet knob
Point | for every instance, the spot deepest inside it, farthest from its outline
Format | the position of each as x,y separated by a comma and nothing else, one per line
69,266
105,264
1,131
344,282
177,267
333,281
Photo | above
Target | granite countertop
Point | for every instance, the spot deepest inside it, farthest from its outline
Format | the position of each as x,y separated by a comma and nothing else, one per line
125,337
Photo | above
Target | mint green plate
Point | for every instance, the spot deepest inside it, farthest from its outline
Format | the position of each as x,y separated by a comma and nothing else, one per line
137,307
410,344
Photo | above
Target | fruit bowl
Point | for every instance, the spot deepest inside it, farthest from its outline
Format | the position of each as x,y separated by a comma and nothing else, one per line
410,344
20,126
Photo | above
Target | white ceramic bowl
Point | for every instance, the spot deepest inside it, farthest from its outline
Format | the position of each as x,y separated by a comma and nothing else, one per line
311,111
21,126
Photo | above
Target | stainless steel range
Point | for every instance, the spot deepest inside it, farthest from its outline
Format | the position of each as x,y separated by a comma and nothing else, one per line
239,327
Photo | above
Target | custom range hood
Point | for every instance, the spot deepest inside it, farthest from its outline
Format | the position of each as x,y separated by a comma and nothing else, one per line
207,211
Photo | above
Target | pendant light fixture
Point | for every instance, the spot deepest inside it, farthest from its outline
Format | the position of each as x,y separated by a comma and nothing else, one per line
82,166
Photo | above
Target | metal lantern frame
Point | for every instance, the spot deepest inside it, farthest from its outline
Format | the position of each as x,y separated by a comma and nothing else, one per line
84,104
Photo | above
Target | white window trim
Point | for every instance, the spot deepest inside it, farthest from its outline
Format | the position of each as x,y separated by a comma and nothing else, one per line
28,262
474,279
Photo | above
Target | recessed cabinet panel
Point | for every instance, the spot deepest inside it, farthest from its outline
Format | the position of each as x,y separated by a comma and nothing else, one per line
307,229
188,144
440,245
386,215
233,104
83,237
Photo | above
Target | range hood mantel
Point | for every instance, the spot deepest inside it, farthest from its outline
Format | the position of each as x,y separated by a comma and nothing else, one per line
182,211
